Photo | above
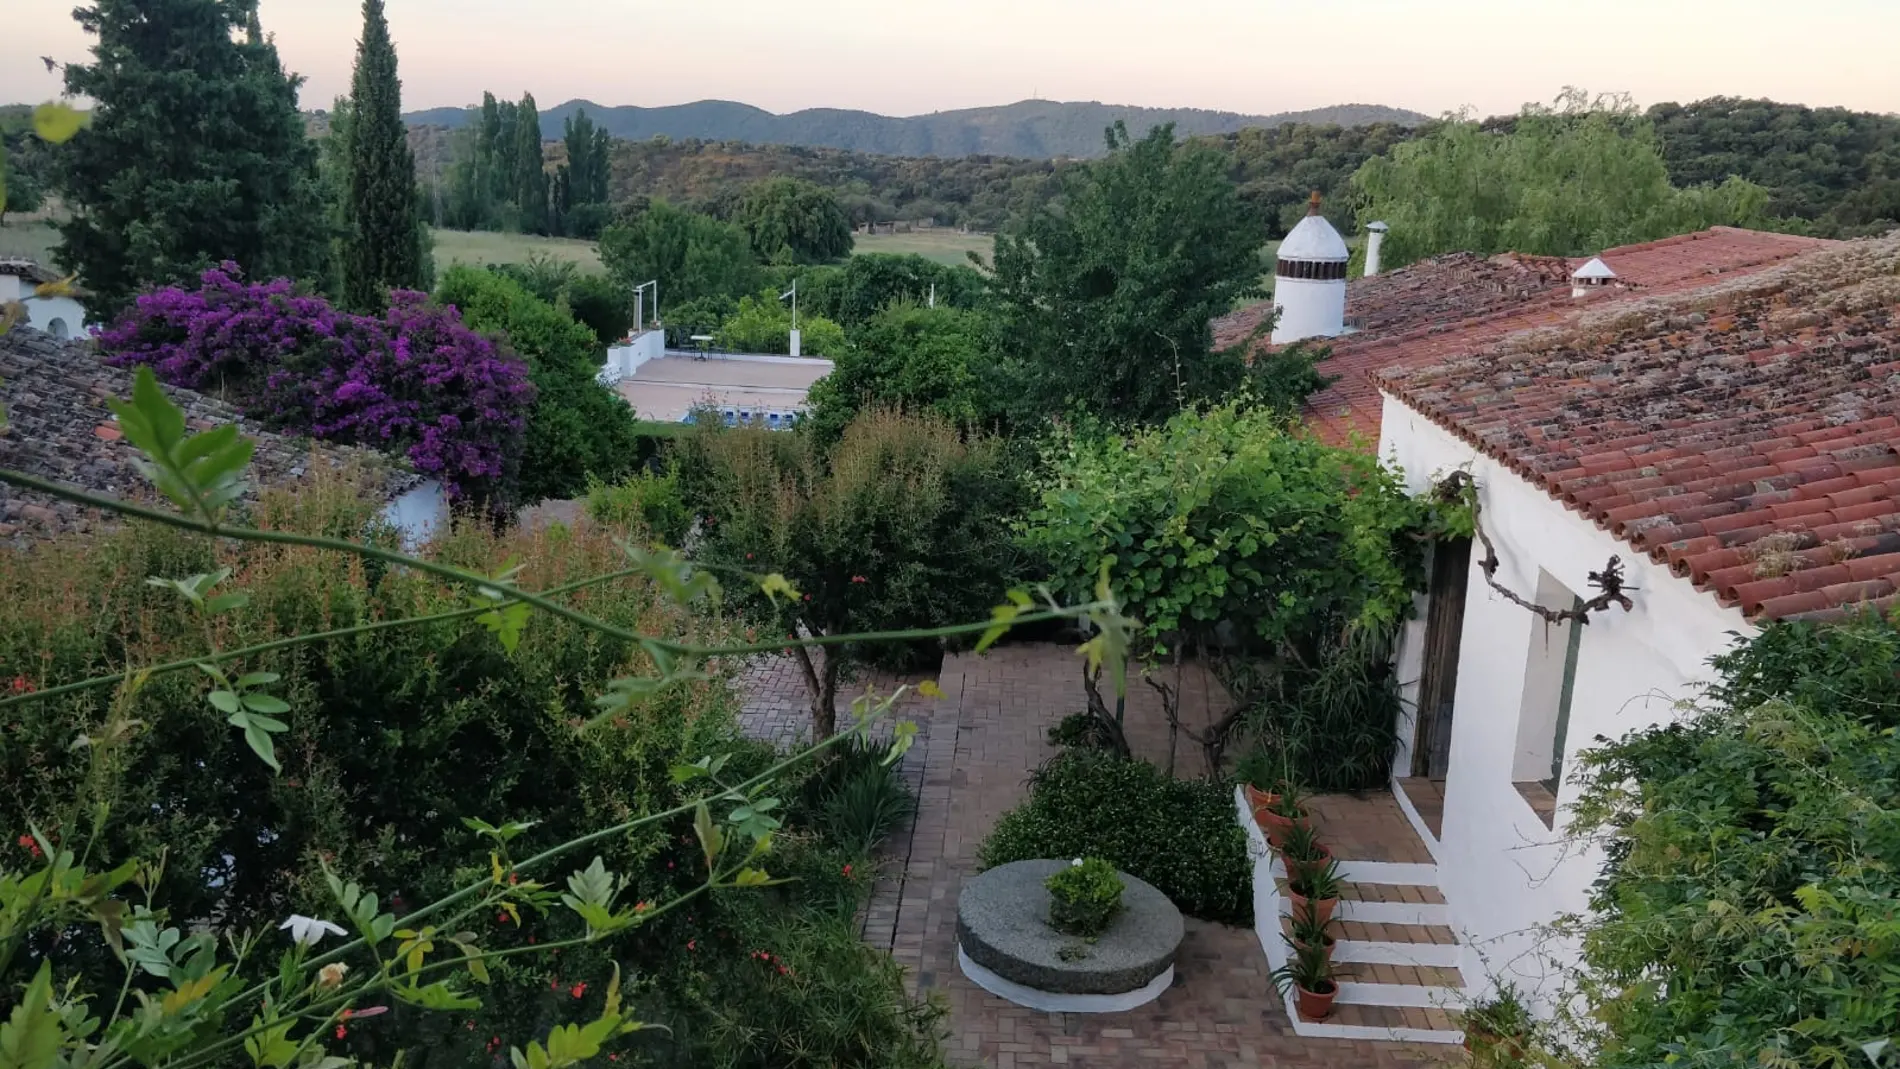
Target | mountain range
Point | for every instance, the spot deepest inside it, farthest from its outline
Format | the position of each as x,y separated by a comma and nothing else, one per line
1032,129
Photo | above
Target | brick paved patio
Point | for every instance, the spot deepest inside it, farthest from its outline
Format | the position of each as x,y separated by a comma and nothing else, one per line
974,749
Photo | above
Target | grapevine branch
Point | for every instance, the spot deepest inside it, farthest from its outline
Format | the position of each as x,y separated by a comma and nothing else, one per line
1609,583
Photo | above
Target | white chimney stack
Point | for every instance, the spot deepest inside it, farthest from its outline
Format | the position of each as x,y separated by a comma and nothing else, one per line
1375,239
1309,280
1591,277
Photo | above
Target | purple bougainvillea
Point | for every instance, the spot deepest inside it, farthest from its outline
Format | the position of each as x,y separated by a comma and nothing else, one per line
416,381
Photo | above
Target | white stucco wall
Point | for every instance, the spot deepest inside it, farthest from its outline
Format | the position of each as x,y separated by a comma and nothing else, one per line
1308,308
62,317
1502,872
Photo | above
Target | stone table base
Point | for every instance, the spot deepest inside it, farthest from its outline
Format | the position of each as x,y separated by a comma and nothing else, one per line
1006,946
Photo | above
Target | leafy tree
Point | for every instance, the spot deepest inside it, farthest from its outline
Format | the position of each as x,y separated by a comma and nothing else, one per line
790,221
1831,167
902,523
577,427
1553,183
692,255
762,323
156,198
530,176
1105,304
854,292
24,191
579,200
383,247
932,360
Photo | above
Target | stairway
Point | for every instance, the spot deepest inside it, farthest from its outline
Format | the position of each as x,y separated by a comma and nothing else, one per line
1397,957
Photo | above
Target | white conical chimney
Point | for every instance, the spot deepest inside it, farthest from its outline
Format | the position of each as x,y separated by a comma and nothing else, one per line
1375,239
1590,277
1309,280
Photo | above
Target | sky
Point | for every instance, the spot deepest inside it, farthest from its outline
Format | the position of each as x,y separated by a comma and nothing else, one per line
902,57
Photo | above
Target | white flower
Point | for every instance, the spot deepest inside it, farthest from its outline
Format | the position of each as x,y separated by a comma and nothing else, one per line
1076,864
308,931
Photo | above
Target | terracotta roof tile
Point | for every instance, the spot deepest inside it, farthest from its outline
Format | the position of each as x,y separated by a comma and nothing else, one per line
1744,431
1448,306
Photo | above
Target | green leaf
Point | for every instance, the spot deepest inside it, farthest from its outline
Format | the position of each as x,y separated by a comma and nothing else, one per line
774,585
711,839
57,122
227,602
32,1035
262,746
225,701
264,703
257,679
750,877
506,623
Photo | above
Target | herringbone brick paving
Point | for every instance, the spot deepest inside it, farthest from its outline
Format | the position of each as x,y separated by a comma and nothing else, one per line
975,748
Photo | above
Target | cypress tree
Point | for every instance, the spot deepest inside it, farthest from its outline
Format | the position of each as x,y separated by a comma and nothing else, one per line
383,249
195,154
530,178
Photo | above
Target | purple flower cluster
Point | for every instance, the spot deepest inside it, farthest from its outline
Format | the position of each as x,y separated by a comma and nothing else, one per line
415,380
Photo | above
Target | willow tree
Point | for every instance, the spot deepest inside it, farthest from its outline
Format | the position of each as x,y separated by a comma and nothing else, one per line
1565,181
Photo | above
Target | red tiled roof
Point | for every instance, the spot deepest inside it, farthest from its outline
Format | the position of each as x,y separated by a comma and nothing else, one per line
1461,303
1745,432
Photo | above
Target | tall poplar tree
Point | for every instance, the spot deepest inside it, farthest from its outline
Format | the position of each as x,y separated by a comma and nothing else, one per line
530,177
195,154
383,249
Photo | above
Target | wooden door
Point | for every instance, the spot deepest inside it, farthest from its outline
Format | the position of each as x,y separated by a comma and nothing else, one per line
1438,680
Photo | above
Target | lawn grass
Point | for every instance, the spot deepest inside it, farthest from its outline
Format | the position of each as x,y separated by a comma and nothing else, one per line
478,248
29,236
943,246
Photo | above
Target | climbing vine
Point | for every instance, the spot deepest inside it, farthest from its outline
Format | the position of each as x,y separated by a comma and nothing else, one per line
1457,496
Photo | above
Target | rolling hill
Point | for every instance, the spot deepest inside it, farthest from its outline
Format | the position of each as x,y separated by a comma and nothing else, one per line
1033,129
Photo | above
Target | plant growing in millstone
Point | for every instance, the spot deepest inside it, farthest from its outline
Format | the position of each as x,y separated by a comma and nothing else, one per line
1085,897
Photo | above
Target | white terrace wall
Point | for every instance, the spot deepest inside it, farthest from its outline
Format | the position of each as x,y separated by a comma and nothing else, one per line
1503,873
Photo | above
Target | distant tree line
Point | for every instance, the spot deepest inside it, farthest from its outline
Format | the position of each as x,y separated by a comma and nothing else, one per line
499,178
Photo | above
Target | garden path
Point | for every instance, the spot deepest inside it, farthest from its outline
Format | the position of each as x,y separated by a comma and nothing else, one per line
975,748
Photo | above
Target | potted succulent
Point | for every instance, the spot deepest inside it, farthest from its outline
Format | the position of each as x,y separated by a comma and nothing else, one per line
1501,1023
1308,974
1302,851
1286,810
1315,891
1084,897
1308,931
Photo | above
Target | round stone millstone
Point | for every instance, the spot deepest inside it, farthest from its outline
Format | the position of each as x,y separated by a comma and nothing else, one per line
1003,925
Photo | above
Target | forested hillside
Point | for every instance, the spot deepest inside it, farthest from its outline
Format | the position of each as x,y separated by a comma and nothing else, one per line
1835,168
1040,129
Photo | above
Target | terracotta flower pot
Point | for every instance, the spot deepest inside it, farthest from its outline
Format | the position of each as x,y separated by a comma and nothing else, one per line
1320,909
1275,825
1298,869
1258,799
1314,1005
1326,951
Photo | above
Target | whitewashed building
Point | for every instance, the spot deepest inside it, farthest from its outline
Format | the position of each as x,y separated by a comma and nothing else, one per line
1718,412
62,316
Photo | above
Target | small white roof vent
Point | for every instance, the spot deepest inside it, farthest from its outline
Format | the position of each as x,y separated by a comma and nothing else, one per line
1595,270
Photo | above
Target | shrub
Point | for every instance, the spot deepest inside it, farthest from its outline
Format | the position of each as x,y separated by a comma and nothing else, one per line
578,427
1084,897
1750,862
867,807
415,380
1179,835
762,323
393,736
1082,730
919,359
901,525
643,501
